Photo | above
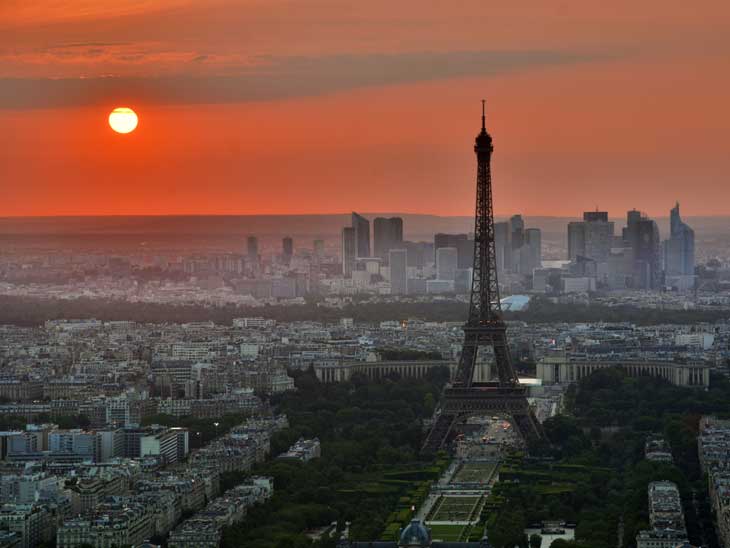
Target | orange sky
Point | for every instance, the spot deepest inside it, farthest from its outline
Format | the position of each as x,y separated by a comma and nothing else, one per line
309,106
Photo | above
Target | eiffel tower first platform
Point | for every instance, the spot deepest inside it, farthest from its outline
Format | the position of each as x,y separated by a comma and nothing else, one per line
484,328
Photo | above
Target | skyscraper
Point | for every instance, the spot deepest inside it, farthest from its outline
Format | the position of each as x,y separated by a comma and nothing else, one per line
447,240
591,239
465,253
503,246
287,249
387,235
462,280
464,247
599,235
398,259
446,263
679,252
531,251
348,251
517,223
576,240
517,250
252,255
252,248
361,228
318,248
419,253
642,236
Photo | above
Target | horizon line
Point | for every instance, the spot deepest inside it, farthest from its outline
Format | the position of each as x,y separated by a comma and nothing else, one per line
371,213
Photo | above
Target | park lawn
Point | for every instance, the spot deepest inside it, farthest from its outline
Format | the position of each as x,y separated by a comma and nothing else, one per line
448,533
474,472
455,508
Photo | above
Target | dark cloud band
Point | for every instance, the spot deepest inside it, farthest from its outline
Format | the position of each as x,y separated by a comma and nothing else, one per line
274,78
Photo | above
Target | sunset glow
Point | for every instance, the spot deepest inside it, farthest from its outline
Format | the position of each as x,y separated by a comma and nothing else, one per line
123,120
266,107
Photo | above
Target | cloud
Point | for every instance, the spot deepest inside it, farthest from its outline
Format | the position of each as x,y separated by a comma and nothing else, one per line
23,12
275,78
89,59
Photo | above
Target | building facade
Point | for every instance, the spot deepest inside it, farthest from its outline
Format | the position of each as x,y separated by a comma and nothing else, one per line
679,253
387,235
561,368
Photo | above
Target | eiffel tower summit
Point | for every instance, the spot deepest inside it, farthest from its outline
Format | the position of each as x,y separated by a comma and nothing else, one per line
484,329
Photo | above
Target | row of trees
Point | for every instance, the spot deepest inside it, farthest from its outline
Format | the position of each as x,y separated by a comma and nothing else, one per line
34,311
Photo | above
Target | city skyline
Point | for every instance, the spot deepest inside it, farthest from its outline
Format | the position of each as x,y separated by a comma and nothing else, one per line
588,105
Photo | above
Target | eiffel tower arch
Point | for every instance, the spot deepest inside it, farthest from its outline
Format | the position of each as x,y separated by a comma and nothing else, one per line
484,328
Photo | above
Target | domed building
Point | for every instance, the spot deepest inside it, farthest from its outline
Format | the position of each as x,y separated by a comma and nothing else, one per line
415,535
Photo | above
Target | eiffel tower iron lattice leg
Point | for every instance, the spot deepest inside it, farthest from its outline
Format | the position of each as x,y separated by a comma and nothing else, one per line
484,328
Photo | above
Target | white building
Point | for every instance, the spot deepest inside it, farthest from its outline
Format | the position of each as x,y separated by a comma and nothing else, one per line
163,444
702,341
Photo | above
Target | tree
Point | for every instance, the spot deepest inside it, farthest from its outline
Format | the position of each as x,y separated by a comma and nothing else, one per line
508,530
428,402
535,541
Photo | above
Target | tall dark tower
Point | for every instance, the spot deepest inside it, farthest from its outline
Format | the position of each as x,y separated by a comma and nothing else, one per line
484,328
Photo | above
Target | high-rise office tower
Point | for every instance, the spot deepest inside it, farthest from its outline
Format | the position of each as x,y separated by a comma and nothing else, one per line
679,249
287,249
503,246
576,240
595,216
517,241
465,253
641,235
252,256
447,240
633,216
361,228
398,260
531,251
599,235
387,235
318,248
252,248
462,280
592,238
419,253
464,247
517,228
517,250
348,251
446,263
517,223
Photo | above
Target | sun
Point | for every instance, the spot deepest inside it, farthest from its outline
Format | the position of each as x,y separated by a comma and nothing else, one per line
123,120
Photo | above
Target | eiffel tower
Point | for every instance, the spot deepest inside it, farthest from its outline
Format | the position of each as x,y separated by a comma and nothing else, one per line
484,328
